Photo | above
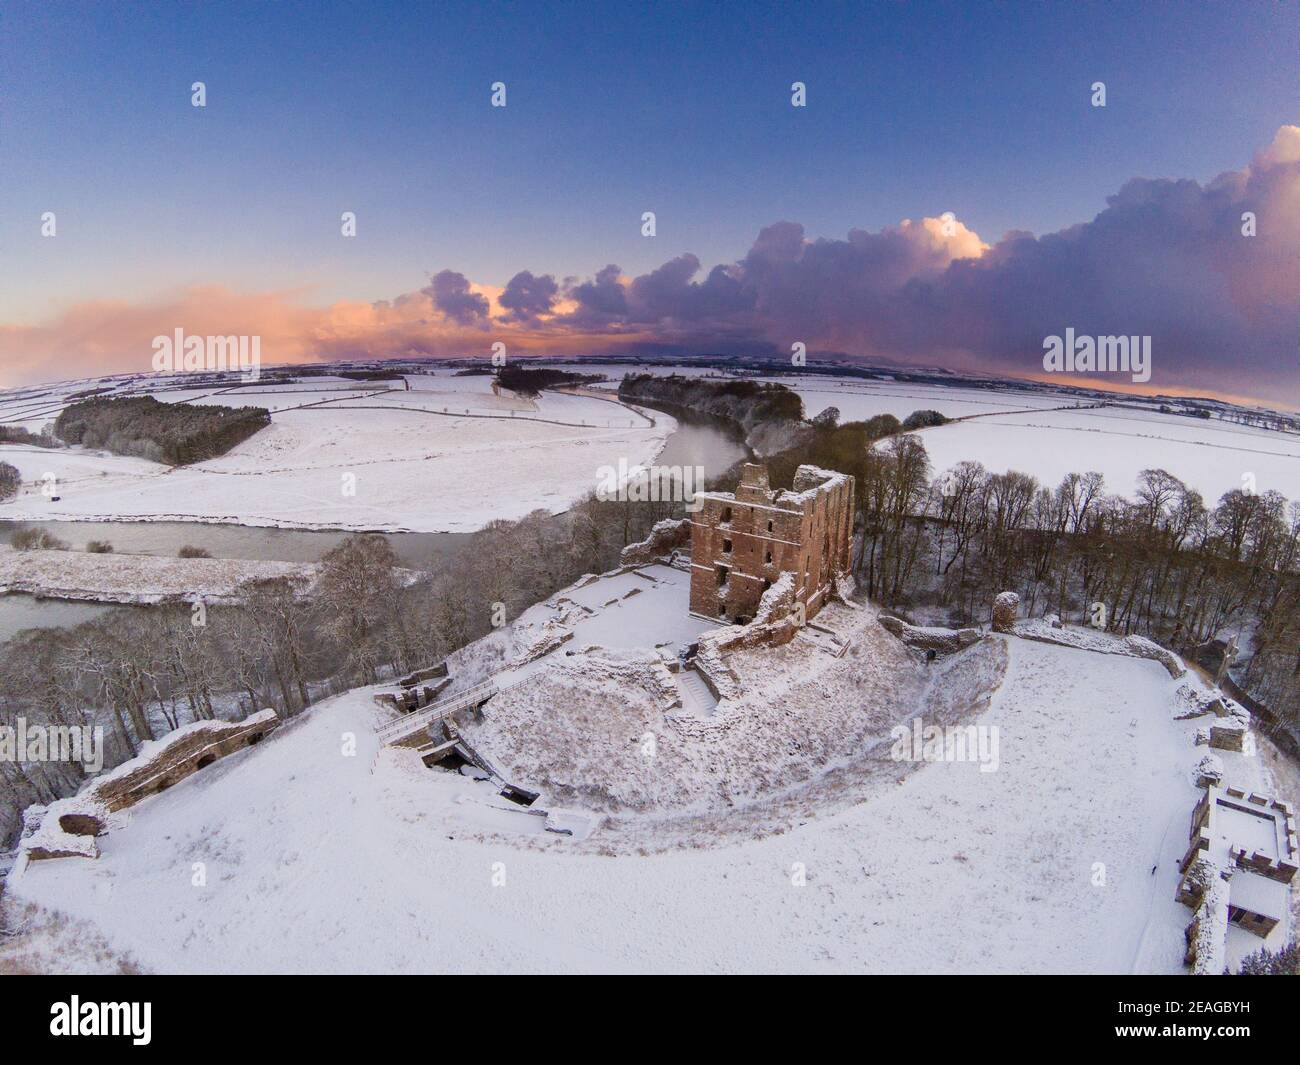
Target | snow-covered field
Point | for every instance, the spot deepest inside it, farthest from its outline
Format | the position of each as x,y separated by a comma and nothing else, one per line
1211,456
1036,433
448,455
299,856
124,578
857,400
628,613
773,831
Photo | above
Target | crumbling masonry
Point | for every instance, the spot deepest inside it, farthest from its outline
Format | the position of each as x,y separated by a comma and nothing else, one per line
67,827
742,543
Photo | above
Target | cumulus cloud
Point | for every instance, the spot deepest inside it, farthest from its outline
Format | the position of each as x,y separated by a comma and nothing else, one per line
527,297
1166,258
451,294
599,302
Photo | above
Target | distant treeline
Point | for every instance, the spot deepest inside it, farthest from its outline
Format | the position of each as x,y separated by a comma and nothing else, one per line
174,433
531,382
750,403
369,375
16,434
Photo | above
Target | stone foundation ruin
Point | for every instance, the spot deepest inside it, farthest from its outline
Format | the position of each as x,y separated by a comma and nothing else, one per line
68,827
930,639
1239,864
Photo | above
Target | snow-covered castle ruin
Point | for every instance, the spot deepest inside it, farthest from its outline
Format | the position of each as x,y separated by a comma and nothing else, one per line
741,543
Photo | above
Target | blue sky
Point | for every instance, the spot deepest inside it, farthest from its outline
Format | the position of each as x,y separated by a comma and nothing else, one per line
613,109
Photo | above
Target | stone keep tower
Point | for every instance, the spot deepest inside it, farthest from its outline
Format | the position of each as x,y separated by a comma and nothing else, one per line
741,543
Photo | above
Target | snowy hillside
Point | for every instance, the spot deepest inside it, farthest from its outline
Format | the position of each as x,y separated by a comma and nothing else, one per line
380,865
578,730
388,459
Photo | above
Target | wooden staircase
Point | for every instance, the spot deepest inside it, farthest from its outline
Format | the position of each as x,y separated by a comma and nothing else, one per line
407,726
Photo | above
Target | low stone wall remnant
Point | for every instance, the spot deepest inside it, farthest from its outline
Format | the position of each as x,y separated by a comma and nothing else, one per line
68,827
665,538
941,641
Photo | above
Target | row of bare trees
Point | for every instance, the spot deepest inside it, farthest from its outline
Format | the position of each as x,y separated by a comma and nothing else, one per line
139,672
1162,563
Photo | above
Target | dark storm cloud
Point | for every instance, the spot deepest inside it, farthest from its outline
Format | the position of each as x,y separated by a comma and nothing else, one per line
1165,259
601,302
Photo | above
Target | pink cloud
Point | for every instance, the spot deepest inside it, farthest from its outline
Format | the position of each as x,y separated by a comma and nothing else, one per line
1165,258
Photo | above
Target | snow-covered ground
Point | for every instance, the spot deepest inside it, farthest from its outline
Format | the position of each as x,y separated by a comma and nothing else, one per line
646,608
1014,429
113,578
300,856
630,611
857,399
773,831
448,455
577,731
1035,432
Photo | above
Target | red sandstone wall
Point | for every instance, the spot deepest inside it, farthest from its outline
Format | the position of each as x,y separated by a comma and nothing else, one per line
813,544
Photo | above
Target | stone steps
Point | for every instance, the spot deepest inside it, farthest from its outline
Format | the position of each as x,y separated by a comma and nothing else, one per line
696,696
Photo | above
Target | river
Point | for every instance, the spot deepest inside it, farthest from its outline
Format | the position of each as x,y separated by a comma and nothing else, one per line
695,442
18,612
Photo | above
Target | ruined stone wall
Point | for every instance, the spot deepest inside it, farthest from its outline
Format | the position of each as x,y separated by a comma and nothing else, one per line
1005,607
176,760
941,641
775,625
1206,890
69,826
665,538
742,543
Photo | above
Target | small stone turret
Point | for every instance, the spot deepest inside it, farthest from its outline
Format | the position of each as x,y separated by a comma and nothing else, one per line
1005,608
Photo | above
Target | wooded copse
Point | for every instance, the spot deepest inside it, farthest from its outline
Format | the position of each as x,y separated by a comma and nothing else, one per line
747,403
173,433
531,382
